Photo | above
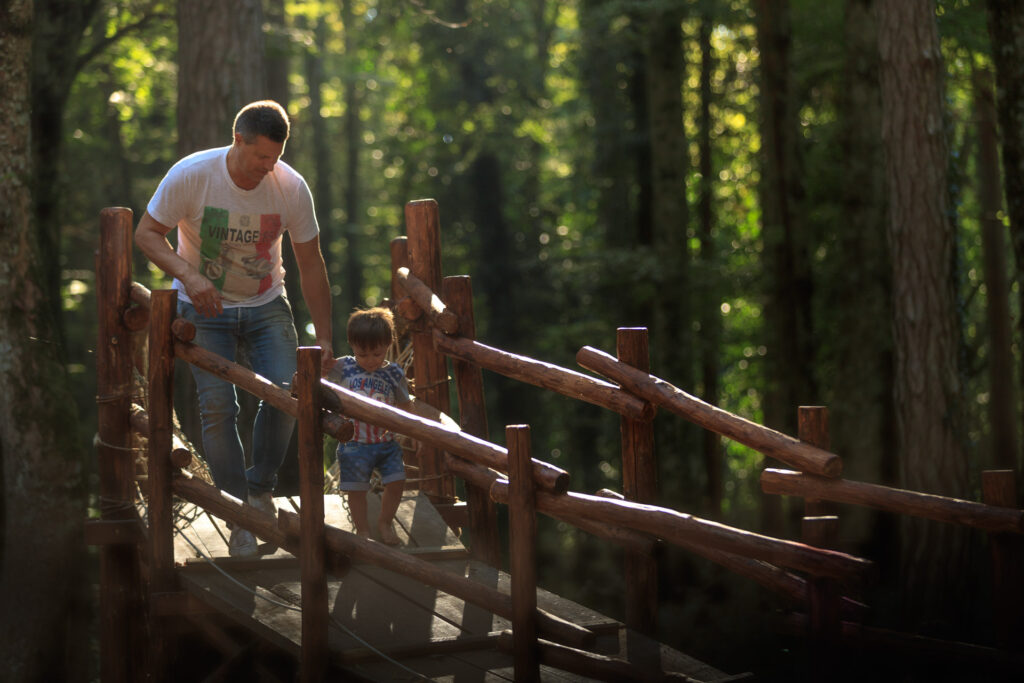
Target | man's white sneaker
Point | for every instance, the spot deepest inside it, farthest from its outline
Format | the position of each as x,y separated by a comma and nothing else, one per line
242,543
264,502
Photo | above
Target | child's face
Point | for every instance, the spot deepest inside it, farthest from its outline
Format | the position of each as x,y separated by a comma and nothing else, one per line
370,358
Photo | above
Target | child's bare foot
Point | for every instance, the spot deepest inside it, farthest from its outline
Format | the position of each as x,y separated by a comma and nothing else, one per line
362,533
387,534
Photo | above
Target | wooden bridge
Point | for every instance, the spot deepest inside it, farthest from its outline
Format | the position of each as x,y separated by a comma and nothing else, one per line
320,603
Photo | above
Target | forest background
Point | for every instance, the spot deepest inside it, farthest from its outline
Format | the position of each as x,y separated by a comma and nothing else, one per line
804,203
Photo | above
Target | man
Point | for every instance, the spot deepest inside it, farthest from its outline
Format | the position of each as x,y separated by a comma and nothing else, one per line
231,206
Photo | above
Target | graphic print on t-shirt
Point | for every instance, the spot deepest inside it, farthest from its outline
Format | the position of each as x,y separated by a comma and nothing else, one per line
234,251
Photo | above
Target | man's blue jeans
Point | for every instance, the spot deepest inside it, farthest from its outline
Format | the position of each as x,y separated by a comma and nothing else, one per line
268,333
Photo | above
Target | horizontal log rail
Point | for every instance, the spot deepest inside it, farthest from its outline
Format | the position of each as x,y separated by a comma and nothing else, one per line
447,437
593,666
483,478
545,375
900,501
439,315
362,550
229,508
686,530
256,385
794,452
181,454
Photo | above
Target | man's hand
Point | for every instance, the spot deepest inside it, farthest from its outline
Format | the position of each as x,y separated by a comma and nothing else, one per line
204,296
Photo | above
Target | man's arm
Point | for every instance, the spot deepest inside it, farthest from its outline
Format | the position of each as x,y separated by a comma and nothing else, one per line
316,290
151,238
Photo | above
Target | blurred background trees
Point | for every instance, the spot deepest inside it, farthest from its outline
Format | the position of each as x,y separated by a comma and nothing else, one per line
737,176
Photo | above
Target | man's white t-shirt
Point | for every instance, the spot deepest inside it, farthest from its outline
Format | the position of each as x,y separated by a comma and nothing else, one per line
233,236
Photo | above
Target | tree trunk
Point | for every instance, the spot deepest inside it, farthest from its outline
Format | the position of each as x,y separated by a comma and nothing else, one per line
1002,395
220,68
857,283
58,28
928,386
706,284
42,558
353,143
787,310
1006,27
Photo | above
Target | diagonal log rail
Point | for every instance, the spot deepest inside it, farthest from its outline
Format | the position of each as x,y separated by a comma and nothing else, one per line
774,444
358,549
686,531
439,315
547,376
361,407
258,386
939,508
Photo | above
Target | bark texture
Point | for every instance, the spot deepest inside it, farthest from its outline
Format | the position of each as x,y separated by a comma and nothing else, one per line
42,557
927,380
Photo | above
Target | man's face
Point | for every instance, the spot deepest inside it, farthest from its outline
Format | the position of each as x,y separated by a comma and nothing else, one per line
257,159
370,358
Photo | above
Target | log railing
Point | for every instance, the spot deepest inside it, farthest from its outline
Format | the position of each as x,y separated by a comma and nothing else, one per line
638,526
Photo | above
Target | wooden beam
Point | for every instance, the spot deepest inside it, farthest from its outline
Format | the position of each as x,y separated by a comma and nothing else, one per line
113,532
121,630
256,385
439,315
939,508
522,523
494,601
546,375
469,386
593,666
686,530
762,439
315,610
361,407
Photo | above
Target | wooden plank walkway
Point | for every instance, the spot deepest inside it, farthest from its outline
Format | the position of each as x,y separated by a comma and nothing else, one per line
382,621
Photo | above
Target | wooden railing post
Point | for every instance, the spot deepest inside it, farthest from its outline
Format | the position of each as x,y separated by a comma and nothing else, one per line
430,367
483,516
315,610
160,508
812,428
120,601
998,487
640,485
522,514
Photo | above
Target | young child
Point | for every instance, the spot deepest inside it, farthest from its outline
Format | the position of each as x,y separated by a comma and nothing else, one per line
370,334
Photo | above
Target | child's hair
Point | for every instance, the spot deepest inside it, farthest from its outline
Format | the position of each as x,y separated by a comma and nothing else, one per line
371,327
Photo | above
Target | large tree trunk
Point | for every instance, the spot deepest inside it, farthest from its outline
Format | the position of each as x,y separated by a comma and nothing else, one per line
928,385
1006,26
220,68
42,558
353,292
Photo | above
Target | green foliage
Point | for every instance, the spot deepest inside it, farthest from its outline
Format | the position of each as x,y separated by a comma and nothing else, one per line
445,87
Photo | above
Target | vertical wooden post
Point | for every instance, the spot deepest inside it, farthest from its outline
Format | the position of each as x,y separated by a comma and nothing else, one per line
522,515
820,528
120,579
812,428
315,610
998,487
161,512
639,484
423,230
457,293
